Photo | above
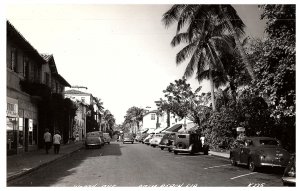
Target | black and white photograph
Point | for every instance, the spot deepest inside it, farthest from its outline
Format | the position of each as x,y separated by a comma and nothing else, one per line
148,94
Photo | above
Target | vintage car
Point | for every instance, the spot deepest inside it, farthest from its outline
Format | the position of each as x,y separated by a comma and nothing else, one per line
147,139
167,141
156,139
189,143
128,137
258,152
289,175
107,138
94,139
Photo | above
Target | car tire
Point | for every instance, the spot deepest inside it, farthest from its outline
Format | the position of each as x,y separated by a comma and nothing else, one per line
251,165
175,152
132,142
161,148
232,161
169,150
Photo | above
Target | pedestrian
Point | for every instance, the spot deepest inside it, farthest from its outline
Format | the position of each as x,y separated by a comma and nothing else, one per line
47,139
56,142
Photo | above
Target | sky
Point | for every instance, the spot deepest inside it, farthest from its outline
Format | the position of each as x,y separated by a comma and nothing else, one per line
121,53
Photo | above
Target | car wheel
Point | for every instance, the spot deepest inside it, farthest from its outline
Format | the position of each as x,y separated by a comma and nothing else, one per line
132,142
108,142
162,148
232,161
251,165
175,152
169,150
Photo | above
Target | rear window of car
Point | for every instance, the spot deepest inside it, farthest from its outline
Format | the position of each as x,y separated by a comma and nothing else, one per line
93,134
181,136
268,142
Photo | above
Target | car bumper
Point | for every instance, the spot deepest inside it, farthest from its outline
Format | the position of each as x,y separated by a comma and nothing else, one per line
289,180
272,164
92,144
182,150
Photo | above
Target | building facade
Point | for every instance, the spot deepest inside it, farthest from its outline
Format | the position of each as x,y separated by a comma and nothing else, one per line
29,79
23,63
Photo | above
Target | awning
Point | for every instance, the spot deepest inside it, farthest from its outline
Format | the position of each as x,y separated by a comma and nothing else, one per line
145,131
189,127
158,130
151,131
174,128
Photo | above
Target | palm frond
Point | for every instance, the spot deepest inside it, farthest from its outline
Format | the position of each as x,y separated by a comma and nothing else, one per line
172,15
180,38
186,52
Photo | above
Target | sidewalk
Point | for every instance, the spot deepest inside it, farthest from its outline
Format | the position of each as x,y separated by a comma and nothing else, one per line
219,154
21,164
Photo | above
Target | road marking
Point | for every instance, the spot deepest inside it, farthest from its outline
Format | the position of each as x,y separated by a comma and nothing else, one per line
243,175
217,166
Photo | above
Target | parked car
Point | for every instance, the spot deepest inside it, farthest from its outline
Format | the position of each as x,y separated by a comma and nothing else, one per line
143,137
128,137
289,175
93,139
167,141
156,139
107,138
256,152
189,143
147,139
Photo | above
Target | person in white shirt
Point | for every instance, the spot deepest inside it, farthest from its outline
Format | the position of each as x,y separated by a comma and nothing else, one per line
47,139
56,142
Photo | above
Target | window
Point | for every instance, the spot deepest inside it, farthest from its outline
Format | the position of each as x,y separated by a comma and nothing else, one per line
153,116
13,59
25,67
47,79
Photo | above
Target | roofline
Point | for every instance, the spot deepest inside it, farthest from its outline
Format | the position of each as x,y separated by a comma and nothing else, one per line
13,34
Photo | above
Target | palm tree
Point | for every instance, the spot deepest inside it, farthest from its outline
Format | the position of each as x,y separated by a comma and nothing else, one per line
205,42
195,15
135,115
108,119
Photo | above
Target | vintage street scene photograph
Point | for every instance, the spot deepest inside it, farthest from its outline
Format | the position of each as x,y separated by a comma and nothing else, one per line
150,95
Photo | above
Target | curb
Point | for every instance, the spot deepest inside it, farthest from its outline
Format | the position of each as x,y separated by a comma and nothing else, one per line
22,173
221,156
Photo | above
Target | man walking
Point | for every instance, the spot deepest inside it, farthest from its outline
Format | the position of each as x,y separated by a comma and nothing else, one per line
56,142
47,139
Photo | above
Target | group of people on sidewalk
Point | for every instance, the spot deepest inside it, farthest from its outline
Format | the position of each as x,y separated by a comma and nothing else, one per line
48,141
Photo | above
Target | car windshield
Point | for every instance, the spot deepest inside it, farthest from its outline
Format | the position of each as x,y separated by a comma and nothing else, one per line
181,136
269,142
93,134
105,134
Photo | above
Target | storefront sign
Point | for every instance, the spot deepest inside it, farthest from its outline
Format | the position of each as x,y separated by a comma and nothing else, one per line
12,107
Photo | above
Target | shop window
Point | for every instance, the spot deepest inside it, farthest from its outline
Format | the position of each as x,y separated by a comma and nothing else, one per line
30,132
11,129
21,132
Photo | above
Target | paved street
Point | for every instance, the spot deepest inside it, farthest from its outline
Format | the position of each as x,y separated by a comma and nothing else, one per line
137,164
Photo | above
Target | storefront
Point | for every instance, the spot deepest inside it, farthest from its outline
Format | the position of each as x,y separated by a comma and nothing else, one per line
12,126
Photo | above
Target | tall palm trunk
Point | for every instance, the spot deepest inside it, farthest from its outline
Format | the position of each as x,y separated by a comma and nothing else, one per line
239,45
212,89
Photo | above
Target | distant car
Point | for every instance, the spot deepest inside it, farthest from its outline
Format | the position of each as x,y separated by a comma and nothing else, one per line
107,138
167,141
156,139
128,137
93,139
189,143
289,175
256,152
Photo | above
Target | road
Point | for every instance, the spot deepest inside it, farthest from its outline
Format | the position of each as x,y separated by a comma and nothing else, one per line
137,164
